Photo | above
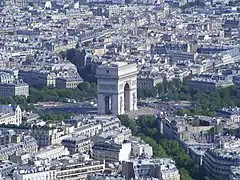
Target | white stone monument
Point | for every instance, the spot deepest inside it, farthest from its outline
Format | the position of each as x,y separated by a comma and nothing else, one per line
117,88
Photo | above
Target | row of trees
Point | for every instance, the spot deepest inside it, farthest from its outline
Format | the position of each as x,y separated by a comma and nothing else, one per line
195,111
145,127
25,105
85,91
18,100
174,89
50,116
146,93
166,89
205,103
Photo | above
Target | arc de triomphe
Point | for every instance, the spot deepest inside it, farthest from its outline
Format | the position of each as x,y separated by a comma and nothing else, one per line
117,88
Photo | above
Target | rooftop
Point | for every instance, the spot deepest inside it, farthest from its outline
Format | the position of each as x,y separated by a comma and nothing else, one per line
228,148
166,164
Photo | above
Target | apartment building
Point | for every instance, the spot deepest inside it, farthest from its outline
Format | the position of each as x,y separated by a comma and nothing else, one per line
24,3
181,128
77,144
219,160
90,129
38,78
80,170
232,113
9,74
161,48
59,78
17,88
8,137
178,56
59,170
115,135
107,122
22,144
127,133
144,168
207,85
51,153
46,136
6,77
68,82
110,151
148,82
139,147
10,115
25,173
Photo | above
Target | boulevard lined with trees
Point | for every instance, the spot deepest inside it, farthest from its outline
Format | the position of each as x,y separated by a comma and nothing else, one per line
85,91
204,103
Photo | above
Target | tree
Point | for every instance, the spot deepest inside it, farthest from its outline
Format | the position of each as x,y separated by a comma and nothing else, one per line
158,150
181,112
93,88
172,96
51,92
146,93
206,102
184,175
87,92
193,110
152,132
84,86
147,121
51,116
19,99
126,121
